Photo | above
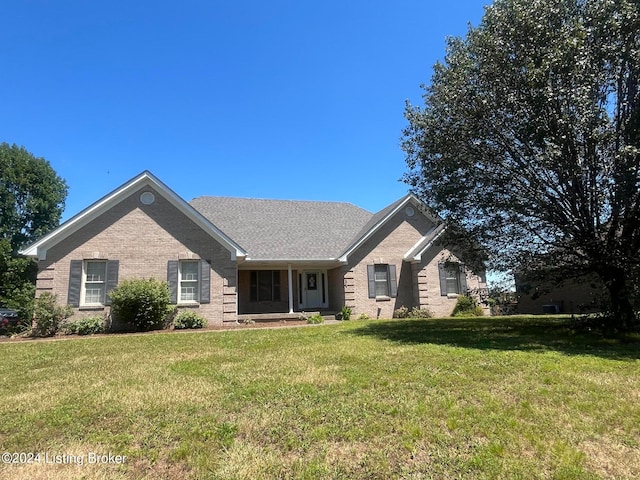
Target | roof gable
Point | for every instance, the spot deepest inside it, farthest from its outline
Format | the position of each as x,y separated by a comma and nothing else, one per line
146,178
378,220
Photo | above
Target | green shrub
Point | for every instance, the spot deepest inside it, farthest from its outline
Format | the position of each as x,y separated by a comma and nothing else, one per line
85,326
415,312
364,316
49,315
315,319
420,313
467,306
346,313
189,319
402,312
145,304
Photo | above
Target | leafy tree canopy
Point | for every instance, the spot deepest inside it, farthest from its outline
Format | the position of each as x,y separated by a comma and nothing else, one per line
32,196
529,139
31,203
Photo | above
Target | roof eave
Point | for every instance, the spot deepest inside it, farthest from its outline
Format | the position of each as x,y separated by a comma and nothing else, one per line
414,255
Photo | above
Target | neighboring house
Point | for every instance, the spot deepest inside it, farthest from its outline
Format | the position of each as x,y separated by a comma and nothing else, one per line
583,295
230,256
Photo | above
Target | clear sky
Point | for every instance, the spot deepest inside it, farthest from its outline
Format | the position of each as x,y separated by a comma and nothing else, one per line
297,99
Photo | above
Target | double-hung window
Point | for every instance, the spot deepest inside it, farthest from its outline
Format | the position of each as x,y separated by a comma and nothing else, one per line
189,281
90,282
382,281
95,275
453,280
381,278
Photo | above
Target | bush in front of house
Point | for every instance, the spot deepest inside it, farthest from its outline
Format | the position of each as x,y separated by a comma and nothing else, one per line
402,312
144,304
420,313
315,319
467,306
415,312
49,315
188,319
345,313
85,326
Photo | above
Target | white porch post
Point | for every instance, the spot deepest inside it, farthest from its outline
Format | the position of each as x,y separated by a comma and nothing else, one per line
290,288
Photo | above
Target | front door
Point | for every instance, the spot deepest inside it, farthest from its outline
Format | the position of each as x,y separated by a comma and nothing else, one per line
313,289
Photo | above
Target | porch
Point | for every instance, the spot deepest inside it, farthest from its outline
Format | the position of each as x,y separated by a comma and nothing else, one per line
282,292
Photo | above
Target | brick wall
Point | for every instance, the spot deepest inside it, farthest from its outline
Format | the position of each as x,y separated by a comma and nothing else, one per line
144,238
428,281
387,246
418,284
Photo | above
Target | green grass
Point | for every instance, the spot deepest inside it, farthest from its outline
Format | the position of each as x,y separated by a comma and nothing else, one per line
434,398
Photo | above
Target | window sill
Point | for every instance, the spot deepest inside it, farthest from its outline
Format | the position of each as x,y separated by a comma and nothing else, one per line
189,304
383,298
453,295
87,308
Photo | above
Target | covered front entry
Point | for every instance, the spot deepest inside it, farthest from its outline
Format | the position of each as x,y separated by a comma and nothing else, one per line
313,289
274,289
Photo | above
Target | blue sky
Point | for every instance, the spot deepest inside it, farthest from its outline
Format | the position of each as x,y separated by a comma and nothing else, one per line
268,99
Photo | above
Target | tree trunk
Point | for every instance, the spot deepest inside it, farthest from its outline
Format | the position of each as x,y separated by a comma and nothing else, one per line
622,305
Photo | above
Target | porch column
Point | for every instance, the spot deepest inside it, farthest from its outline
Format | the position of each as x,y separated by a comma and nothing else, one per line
290,288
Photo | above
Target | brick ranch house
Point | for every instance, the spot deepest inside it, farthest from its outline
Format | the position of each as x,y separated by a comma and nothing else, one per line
226,257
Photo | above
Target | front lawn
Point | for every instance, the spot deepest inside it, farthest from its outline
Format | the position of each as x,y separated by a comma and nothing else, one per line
437,398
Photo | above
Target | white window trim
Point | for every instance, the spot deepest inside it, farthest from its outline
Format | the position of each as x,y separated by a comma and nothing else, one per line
453,273
83,286
386,281
197,281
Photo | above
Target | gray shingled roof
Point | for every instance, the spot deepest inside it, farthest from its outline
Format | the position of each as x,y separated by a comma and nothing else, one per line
286,229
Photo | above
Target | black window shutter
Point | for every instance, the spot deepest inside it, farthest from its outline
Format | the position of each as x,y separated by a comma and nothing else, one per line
463,279
112,278
393,282
172,279
371,277
75,283
443,279
205,281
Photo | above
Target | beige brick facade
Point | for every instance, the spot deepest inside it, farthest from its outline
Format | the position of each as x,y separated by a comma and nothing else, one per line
144,238
418,283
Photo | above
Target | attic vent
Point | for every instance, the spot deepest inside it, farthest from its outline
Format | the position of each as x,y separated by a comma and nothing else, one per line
410,211
147,198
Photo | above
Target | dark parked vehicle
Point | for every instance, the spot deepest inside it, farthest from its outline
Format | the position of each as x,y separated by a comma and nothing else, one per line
8,319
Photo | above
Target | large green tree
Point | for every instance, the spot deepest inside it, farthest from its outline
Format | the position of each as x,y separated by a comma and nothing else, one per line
529,139
32,199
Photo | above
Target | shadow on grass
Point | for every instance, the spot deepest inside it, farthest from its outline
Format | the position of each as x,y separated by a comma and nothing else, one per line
505,333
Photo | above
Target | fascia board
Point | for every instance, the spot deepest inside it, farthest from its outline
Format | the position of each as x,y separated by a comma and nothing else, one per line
417,257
